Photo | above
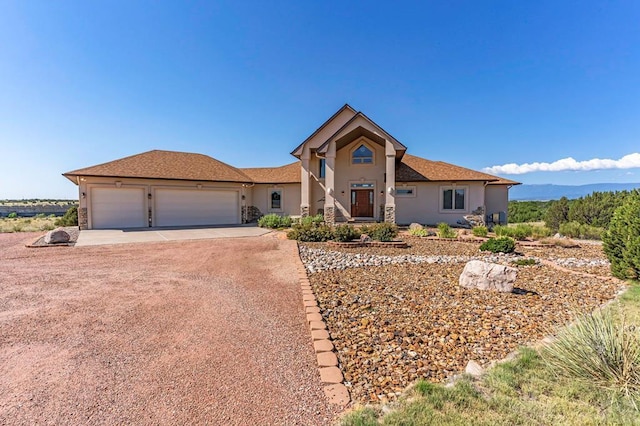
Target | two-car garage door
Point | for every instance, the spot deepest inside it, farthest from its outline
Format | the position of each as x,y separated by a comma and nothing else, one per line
181,207
126,207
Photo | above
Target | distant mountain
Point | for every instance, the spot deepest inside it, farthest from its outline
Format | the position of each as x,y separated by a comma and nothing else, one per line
545,192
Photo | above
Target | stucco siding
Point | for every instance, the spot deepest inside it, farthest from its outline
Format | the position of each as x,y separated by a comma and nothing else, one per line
425,207
330,129
497,198
290,201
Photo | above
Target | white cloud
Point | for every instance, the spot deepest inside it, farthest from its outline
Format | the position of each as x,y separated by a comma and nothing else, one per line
567,164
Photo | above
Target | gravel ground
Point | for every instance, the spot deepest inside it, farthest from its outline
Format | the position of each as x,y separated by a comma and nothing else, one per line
408,318
198,332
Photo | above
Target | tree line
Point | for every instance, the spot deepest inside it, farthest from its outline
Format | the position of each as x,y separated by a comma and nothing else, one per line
594,210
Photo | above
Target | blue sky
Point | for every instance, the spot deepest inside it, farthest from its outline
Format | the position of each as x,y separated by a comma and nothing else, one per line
475,83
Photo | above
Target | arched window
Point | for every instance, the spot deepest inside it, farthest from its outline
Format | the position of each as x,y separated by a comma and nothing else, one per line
362,155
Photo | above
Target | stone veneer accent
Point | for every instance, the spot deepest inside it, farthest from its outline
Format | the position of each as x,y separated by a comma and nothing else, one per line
390,214
250,214
304,211
330,215
83,219
330,374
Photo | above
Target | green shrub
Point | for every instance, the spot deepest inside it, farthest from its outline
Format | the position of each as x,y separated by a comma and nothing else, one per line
524,262
499,245
274,221
310,232
539,232
40,216
317,219
12,215
480,231
419,232
445,231
47,227
70,218
344,233
577,230
518,232
621,242
599,350
380,231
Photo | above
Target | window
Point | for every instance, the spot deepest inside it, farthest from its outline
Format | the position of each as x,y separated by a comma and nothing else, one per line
275,199
323,167
453,198
406,191
362,155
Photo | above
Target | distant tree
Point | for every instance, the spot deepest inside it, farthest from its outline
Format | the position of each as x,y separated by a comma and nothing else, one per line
70,218
621,242
527,211
557,213
597,208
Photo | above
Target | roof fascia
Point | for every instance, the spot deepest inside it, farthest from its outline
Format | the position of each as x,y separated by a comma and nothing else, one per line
297,154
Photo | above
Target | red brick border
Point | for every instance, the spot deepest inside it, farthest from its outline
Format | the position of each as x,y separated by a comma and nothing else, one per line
330,374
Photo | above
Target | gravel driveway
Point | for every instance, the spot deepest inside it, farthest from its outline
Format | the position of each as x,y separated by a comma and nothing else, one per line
198,332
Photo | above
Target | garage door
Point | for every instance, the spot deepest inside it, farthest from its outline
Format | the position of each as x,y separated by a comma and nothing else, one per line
118,208
184,207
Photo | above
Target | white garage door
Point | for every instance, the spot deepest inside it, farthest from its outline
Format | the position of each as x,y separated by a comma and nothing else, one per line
185,207
118,208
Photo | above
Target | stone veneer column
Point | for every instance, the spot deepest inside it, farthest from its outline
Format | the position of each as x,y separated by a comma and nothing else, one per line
329,185
390,184
83,220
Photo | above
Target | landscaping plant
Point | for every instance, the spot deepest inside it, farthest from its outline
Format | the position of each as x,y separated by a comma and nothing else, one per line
599,350
317,219
445,231
310,232
345,233
419,232
381,231
480,231
499,245
274,221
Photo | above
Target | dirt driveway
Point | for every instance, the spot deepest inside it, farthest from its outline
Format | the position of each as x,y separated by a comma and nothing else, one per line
197,332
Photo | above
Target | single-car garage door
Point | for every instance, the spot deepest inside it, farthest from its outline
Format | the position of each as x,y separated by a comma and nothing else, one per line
184,207
118,208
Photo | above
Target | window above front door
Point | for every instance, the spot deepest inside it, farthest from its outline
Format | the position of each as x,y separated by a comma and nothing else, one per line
362,155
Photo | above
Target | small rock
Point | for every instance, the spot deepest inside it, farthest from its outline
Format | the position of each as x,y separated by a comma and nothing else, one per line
488,276
415,226
474,369
57,236
364,238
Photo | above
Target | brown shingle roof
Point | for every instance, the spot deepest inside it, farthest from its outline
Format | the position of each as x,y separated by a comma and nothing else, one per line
291,173
416,169
158,164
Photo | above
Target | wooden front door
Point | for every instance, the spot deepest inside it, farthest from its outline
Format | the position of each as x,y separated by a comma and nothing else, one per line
362,203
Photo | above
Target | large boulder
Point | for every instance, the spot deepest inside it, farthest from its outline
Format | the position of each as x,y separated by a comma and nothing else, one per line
488,276
57,236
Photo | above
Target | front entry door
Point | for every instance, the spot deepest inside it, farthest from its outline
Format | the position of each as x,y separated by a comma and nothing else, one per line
362,203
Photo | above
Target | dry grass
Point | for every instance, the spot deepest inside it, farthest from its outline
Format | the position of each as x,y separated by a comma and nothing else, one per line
559,242
27,224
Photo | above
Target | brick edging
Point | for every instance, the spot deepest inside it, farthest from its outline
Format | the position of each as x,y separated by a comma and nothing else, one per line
330,374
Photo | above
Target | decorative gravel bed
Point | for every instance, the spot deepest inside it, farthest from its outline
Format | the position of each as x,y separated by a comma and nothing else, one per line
397,316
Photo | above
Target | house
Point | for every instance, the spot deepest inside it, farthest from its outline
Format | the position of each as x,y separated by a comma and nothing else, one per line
348,169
